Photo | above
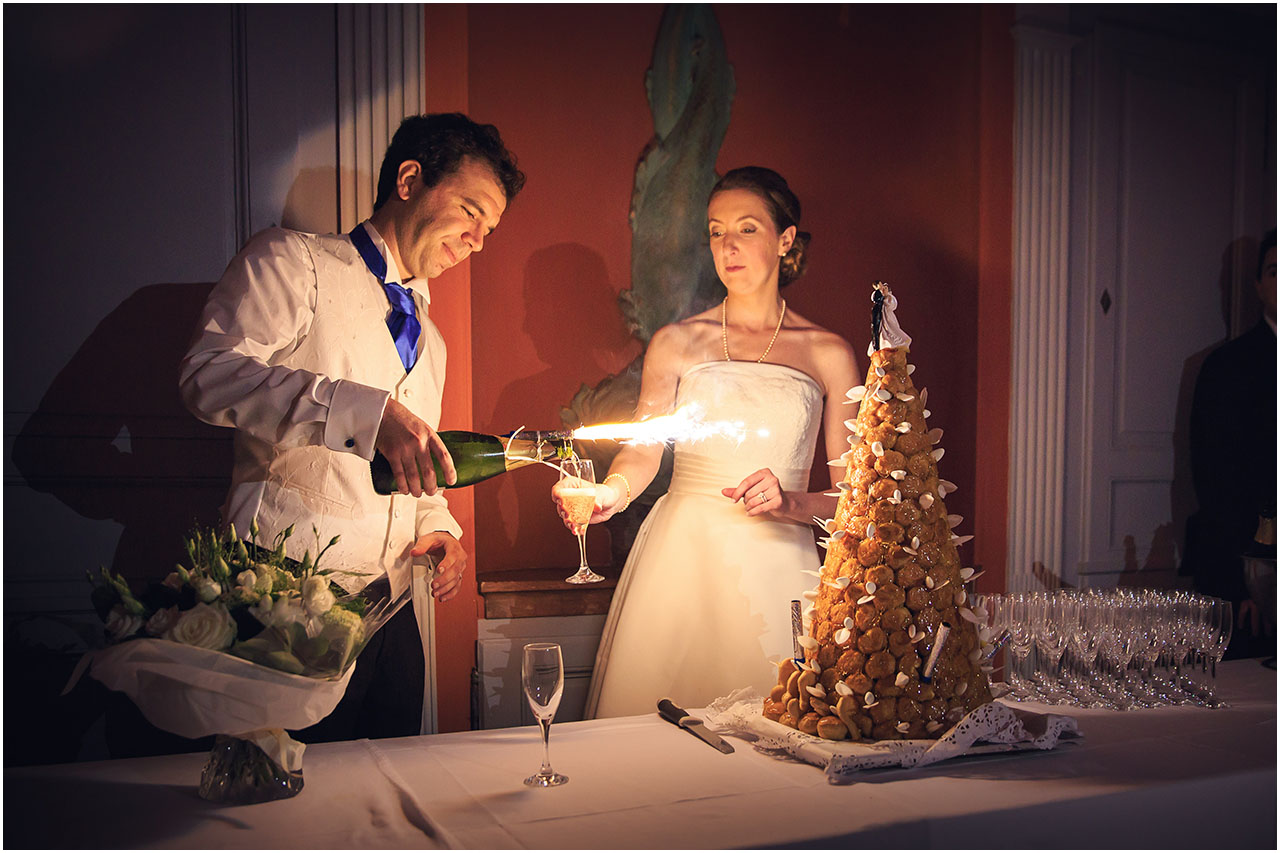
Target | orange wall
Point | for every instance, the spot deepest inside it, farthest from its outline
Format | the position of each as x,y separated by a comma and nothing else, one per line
995,296
566,86
875,115
892,123
445,78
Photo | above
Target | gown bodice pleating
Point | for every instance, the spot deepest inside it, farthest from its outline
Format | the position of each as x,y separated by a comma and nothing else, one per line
704,599
777,409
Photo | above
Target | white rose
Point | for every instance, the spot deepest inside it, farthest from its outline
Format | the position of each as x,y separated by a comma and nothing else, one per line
161,621
262,610
207,590
316,596
246,587
121,624
206,626
287,610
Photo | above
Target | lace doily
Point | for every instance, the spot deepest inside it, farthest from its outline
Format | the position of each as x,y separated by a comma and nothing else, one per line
994,727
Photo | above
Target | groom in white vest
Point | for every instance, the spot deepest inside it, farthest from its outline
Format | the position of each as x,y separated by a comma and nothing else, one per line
318,350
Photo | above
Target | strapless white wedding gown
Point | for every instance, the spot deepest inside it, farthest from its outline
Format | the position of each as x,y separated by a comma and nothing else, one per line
704,599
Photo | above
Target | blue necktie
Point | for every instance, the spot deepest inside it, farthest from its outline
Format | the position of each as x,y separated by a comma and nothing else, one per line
403,320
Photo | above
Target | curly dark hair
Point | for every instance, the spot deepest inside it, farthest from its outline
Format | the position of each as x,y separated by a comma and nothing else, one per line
439,142
784,209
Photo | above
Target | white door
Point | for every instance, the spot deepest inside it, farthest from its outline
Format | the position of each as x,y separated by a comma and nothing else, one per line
1169,176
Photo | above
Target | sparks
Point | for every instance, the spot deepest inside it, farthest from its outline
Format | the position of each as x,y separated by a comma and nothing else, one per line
686,424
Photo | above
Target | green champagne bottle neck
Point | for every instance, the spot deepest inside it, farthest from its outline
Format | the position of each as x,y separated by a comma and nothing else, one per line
478,456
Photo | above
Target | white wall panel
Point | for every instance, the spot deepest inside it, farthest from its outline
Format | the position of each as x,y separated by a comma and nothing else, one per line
1164,189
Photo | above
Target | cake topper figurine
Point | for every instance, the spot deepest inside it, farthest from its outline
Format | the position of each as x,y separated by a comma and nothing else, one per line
885,331
877,313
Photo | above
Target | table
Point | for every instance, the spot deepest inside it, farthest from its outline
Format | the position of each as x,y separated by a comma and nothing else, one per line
1166,777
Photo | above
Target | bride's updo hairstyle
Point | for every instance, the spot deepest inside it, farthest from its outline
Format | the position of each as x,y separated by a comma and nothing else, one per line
783,207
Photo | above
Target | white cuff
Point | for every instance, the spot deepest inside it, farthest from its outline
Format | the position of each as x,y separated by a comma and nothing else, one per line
434,517
355,413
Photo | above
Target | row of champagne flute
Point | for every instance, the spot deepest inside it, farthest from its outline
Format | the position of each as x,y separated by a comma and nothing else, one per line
1115,648
1111,648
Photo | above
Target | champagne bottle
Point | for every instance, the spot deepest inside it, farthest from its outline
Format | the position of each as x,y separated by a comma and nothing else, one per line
478,456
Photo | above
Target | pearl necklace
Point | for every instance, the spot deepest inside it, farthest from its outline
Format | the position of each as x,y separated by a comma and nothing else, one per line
724,331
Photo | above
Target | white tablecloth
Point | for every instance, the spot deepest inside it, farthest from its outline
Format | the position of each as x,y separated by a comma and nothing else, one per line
1167,777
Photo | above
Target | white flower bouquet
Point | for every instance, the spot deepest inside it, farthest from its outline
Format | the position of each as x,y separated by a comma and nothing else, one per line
243,643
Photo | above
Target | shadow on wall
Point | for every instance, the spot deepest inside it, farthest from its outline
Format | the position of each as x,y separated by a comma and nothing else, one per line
111,440
111,437
569,338
1154,571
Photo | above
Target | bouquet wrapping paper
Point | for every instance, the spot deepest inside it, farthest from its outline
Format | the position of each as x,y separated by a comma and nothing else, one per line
195,692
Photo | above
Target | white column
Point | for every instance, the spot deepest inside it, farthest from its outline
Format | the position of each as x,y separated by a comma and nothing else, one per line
1042,130
380,81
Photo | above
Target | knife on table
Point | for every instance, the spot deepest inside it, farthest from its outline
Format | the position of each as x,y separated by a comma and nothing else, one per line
673,713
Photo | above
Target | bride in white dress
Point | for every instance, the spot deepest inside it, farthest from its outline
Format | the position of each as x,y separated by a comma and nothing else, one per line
704,599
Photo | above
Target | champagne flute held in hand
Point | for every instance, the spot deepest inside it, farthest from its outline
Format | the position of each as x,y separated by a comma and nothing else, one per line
542,676
576,493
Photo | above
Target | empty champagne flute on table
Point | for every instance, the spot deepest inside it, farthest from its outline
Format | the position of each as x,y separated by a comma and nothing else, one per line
576,492
1021,640
542,675
1221,615
1051,643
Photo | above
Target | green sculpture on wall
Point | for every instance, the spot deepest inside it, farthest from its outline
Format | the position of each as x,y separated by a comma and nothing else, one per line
690,89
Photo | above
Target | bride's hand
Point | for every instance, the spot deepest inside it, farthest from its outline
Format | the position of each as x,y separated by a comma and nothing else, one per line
607,502
760,493
609,499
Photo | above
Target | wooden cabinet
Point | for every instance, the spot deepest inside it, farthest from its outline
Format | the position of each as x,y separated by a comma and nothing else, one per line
498,700
535,606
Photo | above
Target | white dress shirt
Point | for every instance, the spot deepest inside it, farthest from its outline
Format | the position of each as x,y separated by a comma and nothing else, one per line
293,351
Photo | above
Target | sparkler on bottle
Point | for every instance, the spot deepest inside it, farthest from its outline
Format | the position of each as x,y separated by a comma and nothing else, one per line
685,424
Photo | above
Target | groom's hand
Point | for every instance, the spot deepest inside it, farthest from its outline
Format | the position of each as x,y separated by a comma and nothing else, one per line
451,562
409,443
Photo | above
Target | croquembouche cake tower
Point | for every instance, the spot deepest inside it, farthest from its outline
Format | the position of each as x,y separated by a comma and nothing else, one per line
890,646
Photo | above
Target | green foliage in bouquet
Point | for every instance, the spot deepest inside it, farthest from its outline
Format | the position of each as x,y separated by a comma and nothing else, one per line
249,601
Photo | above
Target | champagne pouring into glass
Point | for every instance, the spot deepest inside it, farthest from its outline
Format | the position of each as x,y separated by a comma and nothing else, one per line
577,494
542,676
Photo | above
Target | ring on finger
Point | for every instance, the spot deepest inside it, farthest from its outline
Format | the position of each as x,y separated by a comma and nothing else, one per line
763,498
